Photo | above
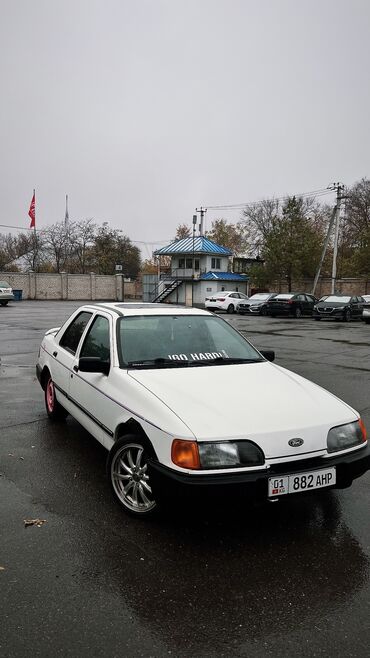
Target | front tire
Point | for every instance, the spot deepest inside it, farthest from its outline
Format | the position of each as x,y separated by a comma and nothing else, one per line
128,474
230,308
54,410
4,303
347,315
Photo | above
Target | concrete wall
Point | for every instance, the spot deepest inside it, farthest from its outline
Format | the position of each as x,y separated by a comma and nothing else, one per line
348,286
73,286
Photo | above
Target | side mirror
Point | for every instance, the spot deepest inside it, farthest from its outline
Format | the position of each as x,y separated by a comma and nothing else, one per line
93,364
268,354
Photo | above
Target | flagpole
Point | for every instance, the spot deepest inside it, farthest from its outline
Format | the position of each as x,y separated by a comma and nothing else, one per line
34,231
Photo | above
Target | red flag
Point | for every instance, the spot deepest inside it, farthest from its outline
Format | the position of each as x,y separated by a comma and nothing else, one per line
32,212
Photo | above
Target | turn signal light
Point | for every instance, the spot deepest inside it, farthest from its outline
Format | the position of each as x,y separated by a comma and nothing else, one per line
363,429
185,454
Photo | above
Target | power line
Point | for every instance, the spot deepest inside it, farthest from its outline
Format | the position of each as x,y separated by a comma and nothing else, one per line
313,193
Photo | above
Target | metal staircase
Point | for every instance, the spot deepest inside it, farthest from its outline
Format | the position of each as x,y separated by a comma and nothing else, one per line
166,291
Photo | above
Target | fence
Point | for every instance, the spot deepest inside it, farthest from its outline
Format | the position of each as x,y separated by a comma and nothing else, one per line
73,286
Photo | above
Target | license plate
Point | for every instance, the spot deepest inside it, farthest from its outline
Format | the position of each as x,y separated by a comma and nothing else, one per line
278,486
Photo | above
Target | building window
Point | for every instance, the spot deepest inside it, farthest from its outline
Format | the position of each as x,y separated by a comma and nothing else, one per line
216,264
189,263
182,263
196,264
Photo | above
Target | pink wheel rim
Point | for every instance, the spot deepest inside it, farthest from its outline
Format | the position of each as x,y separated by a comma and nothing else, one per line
50,395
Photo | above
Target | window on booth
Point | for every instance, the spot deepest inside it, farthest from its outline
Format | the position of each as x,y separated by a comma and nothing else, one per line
216,263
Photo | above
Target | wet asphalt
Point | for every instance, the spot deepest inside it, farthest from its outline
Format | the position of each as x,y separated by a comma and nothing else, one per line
285,579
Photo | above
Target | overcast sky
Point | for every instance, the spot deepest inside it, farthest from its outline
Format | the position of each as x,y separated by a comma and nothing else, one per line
142,110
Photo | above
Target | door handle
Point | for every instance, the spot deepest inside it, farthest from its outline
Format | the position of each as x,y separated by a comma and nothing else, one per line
75,368
55,353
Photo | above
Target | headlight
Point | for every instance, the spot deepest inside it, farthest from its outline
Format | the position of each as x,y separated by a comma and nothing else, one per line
230,454
227,454
346,436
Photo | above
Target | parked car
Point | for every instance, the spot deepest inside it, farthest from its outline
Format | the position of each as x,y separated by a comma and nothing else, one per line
294,304
339,307
152,382
366,298
227,300
366,314
6,293
257,304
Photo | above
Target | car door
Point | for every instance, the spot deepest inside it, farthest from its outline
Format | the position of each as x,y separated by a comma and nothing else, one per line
359,307
63,354
91,392
310,302
300,302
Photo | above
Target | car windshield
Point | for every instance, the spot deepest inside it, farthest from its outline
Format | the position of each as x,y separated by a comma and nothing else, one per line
337,299
157,341
259,297
4,284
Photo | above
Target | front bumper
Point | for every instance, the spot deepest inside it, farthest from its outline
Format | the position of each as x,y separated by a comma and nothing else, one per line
328,314
253,485
6,297
249,310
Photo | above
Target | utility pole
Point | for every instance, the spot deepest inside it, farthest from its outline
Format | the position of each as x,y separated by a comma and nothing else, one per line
339,187
202,212
334,221
192,276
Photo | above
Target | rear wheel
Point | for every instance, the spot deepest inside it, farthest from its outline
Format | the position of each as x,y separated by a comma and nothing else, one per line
230,308
367,321
128,473
54,410
297,312
4,303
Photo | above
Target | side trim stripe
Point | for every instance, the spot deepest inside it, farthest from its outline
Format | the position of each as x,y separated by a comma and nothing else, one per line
87,413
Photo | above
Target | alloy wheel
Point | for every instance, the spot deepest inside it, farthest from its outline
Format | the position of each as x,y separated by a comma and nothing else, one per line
130,479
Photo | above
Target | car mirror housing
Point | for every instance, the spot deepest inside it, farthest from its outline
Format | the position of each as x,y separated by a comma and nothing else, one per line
268,354
93,364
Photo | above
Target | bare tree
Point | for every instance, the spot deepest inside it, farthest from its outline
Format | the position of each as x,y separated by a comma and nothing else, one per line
56,239
183,231
81,241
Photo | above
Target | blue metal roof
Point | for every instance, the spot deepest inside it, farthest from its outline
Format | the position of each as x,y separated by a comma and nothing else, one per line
223,276
200,245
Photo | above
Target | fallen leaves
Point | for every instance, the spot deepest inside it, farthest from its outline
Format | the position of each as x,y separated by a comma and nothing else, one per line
36,522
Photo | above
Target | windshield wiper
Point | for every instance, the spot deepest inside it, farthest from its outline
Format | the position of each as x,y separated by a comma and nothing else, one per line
157,363
178,363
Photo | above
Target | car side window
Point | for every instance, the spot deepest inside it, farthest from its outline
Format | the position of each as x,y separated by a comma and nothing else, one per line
97,342
74,331
301,298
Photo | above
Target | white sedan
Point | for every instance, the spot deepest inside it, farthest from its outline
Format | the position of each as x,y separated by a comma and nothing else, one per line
155,384
227,300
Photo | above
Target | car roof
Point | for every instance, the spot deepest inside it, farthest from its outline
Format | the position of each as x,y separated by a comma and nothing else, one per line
146,308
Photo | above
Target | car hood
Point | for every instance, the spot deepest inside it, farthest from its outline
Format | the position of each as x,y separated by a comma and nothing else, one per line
259,401
331,304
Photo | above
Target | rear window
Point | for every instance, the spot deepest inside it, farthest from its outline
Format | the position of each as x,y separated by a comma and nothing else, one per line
284,297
